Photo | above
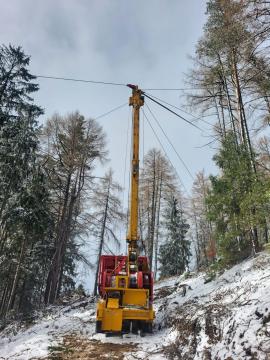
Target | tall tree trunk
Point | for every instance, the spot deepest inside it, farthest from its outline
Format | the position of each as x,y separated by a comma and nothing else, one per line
101,239
16,276
222,111
237,88
221,130
226,89
53,275
153,218
4,298
157,227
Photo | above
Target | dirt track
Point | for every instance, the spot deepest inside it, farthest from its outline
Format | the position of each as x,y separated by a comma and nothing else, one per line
74,347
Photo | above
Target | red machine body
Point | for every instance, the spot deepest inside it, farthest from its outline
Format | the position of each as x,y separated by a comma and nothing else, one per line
113,265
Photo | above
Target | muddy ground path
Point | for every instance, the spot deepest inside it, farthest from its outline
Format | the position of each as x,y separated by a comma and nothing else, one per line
78,347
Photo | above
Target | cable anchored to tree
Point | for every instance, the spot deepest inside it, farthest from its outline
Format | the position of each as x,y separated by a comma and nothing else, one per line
173,112
108,83
169,141
165,152
184,111
80,80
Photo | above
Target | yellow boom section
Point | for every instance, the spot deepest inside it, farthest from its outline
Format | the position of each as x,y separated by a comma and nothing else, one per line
136,101
127,288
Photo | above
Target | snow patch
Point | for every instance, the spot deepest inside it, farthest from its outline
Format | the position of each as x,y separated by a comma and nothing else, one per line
228,317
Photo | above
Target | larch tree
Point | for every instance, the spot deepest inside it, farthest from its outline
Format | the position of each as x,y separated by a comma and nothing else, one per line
73,147
231,75
107,217
157,182
202,228
225,63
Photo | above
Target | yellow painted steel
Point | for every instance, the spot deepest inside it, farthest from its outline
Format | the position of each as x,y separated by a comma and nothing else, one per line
136,297
131,303
100,307
136,100
121,281
138,314
112,320
113,303
125,313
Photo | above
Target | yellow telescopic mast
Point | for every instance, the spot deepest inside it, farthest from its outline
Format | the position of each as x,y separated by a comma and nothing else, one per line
136,101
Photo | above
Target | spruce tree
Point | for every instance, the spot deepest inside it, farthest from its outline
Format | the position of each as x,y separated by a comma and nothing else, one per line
235,195
18,122
175,253
23,190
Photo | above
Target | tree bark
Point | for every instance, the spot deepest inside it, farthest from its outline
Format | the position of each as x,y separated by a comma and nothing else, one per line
101,242
157,227
16,277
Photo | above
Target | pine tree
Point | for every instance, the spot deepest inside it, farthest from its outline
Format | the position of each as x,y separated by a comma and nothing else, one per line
174,254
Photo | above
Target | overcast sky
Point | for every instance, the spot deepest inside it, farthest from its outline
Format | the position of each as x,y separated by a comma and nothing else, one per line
141,42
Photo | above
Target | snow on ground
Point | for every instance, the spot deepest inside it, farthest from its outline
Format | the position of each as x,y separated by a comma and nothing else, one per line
35,341
227,318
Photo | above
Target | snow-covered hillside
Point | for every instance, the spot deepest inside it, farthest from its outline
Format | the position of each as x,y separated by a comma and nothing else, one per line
227,318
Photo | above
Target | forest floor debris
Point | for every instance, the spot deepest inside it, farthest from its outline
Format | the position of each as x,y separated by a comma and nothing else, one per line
227,318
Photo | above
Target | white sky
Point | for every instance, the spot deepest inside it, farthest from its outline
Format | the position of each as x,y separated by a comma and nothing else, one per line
141,42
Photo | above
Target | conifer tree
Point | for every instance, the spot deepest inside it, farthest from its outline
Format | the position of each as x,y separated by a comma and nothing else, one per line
107,216
24,198
204,244
18,127
234,196
175,253
73,145
157,183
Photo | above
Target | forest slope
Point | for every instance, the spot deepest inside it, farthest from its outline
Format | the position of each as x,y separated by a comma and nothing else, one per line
227,318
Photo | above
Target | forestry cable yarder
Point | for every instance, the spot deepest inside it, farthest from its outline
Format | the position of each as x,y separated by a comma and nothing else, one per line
125,283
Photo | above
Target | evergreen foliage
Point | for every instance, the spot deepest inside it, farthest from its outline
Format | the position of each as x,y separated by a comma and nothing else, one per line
238,202
174,254
231,75
24,196
50,202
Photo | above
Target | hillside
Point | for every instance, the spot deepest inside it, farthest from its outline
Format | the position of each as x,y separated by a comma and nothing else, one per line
227,318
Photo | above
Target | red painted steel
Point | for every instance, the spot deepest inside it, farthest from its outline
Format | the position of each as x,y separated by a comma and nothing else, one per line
111,265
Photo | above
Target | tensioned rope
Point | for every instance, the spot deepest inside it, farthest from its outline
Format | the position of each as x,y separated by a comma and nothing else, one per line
170,142
165,152
108,83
